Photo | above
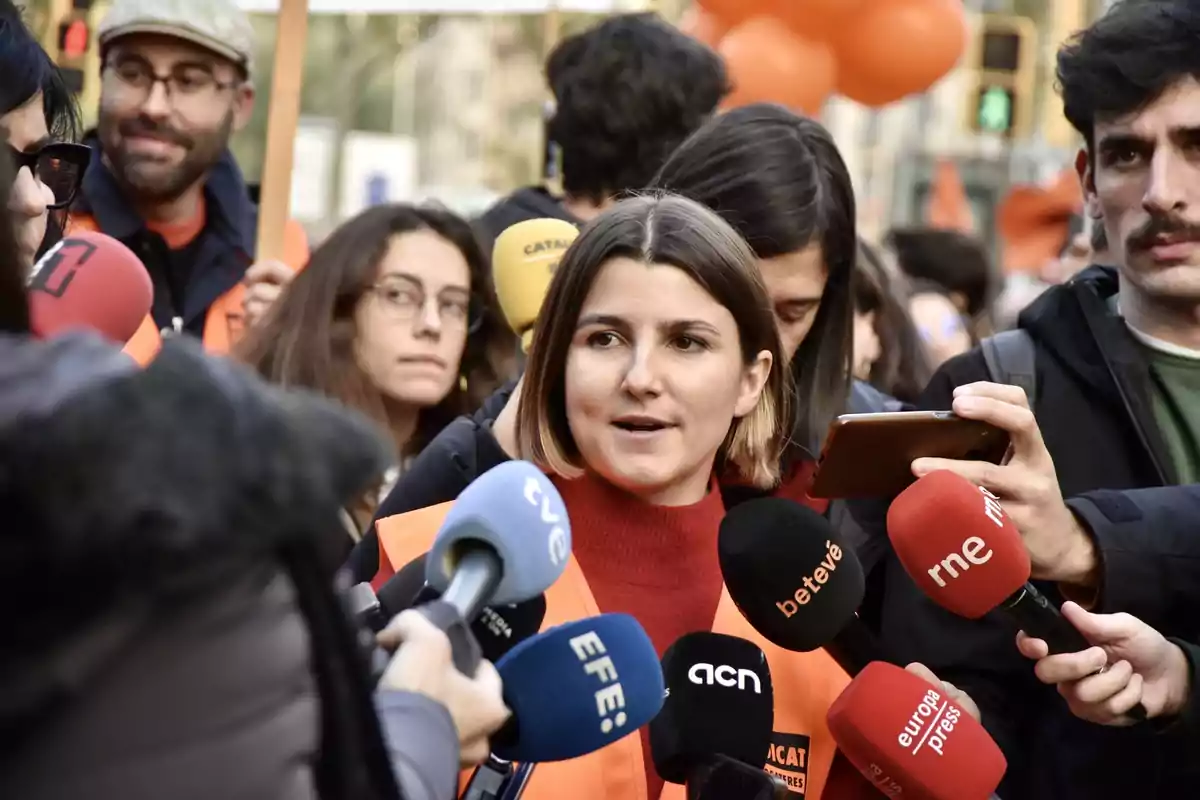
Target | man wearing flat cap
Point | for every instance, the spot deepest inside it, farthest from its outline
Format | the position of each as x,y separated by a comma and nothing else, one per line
177,82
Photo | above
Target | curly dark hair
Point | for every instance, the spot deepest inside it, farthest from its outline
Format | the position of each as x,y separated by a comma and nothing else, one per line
627,92
1126,59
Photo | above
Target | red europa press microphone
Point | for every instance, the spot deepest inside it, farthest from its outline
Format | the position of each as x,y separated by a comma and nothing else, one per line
910,740
92,282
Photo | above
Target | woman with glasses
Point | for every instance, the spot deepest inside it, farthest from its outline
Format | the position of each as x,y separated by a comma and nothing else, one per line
38,117
393,317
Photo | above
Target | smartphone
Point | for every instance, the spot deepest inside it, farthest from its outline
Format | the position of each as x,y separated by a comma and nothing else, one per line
871,455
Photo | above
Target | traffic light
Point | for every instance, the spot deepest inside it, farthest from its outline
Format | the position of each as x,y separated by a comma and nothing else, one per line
74,42
1002,63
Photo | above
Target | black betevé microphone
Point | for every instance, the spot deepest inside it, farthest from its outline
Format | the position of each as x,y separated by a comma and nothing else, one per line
795,580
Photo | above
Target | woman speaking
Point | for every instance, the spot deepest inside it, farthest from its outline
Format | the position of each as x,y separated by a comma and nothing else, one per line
657,374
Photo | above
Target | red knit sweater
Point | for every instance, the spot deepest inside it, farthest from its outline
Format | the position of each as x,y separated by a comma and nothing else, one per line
656,563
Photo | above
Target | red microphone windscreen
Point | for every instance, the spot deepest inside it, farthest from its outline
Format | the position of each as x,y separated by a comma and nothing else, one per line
957,544
911,741
89,281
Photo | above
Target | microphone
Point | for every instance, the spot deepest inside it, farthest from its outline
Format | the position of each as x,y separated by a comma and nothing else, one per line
911,741
497,628
961,549
91,281
795,580
576,688
524,258
506,539
714,729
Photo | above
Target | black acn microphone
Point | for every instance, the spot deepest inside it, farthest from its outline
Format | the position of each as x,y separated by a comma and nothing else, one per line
796,581
719,711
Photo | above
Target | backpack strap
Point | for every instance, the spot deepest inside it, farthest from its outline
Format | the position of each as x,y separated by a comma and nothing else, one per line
1011,360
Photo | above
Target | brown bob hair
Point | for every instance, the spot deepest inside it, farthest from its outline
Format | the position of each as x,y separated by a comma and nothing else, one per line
307,338
657,229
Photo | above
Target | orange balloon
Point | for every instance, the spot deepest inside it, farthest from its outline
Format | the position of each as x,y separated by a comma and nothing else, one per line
895,48
701,25
767,63
734,12
818,19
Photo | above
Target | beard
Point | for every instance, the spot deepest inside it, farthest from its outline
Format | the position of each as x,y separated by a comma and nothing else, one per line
151,180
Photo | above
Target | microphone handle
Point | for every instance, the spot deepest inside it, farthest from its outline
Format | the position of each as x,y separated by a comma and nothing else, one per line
475,579
519,780
464,647
854,647
488,780
1041,619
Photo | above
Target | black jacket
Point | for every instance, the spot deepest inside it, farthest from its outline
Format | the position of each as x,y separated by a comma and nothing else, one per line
1095,413
1148,541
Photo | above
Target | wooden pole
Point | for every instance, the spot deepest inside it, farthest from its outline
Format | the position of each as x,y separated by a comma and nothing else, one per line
283,116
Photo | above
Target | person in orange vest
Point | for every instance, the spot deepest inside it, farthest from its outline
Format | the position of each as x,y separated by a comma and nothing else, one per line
658,372
177,81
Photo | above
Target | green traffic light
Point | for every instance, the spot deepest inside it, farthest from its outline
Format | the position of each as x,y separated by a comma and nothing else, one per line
995,110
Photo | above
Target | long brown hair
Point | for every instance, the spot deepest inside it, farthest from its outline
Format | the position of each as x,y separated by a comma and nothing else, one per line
307,339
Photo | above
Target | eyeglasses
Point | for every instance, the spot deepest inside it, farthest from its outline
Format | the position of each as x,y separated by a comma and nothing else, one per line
58,165
188,84
404,301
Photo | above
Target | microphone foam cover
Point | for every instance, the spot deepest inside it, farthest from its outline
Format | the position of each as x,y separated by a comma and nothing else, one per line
910,740
957,544
524,258
497,628
719,702
789,573
89,281
578,687
514,509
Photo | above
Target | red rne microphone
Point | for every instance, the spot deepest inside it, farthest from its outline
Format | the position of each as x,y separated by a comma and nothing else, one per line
92,282
958,545
911,741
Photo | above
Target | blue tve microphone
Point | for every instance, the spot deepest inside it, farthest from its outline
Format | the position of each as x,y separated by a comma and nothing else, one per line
506,539
578,687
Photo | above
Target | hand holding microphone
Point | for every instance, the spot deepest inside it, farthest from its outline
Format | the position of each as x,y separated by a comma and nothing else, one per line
422,664
1145,669
964,700
958,545
1027,485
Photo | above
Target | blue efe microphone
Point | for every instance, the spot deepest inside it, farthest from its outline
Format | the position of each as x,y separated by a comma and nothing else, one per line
506,539
578,687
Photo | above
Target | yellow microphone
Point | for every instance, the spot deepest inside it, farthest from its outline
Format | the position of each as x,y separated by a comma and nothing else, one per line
523,261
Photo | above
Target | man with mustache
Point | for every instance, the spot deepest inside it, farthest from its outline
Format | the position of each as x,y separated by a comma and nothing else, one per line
1116,351
177,81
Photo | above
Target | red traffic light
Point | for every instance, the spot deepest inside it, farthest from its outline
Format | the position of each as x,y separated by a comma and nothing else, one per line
73,38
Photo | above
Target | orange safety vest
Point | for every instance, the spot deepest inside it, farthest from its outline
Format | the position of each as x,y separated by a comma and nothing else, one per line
224,322
805,685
